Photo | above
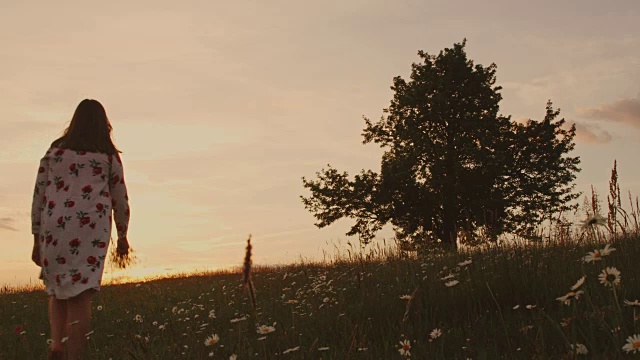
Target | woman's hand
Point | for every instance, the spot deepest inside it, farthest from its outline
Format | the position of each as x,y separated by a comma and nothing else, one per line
35,253
123,247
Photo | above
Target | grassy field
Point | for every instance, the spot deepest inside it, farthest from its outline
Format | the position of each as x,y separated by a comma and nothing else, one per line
496,303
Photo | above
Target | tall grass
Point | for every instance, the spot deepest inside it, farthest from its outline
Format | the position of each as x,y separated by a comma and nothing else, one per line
353,306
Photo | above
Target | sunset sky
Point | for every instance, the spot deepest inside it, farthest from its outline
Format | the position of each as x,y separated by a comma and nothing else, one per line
220,108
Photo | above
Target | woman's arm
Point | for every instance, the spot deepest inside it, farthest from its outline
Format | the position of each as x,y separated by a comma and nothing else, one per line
37,205
119,199
39,198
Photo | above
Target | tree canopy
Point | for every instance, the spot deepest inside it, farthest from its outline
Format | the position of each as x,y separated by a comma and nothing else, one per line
452,166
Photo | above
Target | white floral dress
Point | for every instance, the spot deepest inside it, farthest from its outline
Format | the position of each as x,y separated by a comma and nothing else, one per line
74,196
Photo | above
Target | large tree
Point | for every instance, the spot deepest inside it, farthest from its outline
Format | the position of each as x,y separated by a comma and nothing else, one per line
452,164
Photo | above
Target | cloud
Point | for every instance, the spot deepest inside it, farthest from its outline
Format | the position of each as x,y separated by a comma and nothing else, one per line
624,111
592,134
6,224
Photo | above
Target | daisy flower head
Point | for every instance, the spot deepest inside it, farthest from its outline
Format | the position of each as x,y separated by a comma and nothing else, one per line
593,221
609,276
448,277
578,284
265,329
633,344
451,283
632,303
243,318
405,346
291,350
435,333
592,256
607,250
233,357
465,263
598,254
138,318
211,340
566,299
406,297
579,349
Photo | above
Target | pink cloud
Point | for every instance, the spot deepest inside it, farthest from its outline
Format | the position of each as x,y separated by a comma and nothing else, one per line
592,134
624,111
7,224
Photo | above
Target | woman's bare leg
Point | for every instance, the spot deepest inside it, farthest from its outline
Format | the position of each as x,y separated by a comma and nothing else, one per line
57,322
79,323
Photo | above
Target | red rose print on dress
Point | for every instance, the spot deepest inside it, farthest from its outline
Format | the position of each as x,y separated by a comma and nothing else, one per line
59,183
74,245
46,262
83,217
97,168
99,244
62,221
60,260
69,203
93,263
50,207
74,169
41,170
101,209
49,239
75,275
58,155
86,192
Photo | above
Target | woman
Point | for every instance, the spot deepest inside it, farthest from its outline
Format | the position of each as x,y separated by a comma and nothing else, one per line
79,183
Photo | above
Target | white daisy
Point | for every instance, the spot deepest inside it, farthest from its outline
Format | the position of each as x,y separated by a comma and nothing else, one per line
211,340
265,329
451,283
579,349
436,333
633,344
405,345
579,283
566,299
291,350
610,277
465,263
632,303
594,220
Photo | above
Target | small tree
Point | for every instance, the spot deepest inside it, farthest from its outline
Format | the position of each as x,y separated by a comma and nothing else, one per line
451,164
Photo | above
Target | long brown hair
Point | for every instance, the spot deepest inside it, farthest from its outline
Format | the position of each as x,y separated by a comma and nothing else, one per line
89,130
